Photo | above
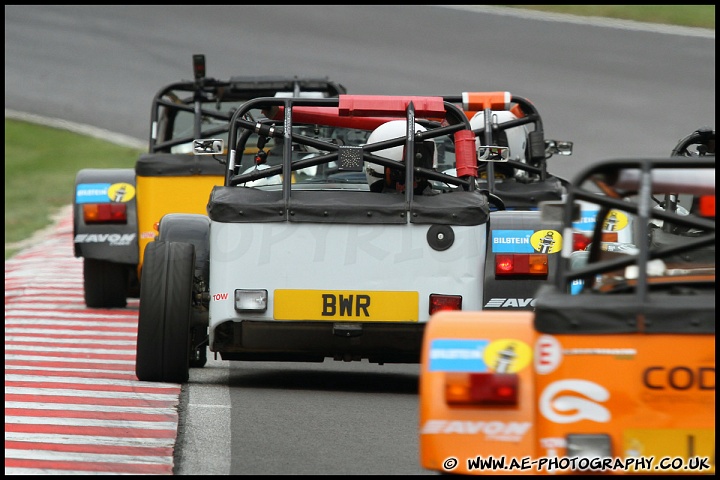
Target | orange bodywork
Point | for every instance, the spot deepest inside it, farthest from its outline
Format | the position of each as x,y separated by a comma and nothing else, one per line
649,395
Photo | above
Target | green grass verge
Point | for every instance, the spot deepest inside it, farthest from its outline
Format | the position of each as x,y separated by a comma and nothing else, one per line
40,168
702,16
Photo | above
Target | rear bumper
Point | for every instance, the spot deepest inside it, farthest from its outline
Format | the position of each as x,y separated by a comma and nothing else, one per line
315,341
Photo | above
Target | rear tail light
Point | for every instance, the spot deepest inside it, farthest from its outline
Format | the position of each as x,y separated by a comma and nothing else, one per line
495,389
609,237
580,241
439,302
707,205
105,213
533,264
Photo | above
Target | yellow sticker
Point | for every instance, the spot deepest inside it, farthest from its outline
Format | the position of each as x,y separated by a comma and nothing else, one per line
507,355
546,241
615,221
121,192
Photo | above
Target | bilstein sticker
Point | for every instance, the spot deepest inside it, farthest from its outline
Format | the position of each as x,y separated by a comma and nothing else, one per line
448,355
587,220
104,192
615,221
512,241
526,241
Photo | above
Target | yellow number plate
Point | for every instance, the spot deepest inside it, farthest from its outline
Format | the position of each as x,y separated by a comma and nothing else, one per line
346,305
685,443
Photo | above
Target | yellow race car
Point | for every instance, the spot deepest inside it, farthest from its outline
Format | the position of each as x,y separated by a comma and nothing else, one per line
116,211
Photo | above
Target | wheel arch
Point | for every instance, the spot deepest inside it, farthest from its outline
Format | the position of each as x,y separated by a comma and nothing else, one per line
189,228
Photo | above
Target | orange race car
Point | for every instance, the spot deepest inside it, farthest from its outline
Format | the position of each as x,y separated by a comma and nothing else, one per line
614,371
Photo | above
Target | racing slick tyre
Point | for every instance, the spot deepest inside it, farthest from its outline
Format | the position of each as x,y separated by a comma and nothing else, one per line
163,340
105,284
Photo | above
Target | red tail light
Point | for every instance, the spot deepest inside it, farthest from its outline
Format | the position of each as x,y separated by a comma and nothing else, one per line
707,205
609,237
444,302
580,241
105,213
533,264
481,388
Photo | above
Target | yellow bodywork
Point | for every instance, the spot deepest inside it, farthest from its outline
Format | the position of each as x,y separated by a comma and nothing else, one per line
157,196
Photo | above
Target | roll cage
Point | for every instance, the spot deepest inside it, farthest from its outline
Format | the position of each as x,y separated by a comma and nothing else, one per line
210,103
441,126
621,179
539,149
359,112
701,142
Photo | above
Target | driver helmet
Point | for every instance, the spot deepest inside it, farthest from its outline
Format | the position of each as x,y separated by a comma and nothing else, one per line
514,138
376,175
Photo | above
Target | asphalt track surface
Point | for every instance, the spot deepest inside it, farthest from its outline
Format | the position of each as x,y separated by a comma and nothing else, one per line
615,88
72,402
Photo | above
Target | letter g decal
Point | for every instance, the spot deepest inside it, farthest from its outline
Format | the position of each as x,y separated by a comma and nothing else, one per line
577,407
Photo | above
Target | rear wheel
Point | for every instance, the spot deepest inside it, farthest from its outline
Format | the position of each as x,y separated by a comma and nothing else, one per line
163,340
105,283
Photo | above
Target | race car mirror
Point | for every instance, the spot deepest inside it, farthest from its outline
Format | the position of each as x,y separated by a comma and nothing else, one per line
493,153
208,146
557,147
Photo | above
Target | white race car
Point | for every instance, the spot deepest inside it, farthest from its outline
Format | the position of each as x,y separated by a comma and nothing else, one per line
335,235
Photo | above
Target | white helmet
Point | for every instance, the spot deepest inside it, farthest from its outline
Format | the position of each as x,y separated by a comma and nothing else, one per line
515,138
395,128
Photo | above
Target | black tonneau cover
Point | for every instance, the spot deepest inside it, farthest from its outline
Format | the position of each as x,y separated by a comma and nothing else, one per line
250,205
528,195
557,312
